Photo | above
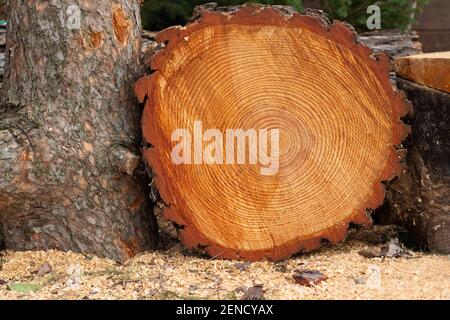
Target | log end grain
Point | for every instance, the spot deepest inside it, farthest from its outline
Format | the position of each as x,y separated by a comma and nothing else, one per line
261,67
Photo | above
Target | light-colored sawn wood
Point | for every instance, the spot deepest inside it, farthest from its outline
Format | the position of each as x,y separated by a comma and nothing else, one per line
429,69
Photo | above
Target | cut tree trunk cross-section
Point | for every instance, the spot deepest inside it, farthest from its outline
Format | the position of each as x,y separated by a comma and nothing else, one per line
257,67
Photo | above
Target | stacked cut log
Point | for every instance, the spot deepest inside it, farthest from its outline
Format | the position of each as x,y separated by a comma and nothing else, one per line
393,42
420,198
271,68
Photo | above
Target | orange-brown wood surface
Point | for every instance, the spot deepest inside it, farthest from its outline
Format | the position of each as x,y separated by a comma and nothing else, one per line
429,69
262,68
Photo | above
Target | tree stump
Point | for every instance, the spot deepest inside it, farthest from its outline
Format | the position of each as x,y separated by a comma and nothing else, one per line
260,68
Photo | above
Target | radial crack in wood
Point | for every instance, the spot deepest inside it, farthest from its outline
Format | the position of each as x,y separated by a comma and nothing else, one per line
261,67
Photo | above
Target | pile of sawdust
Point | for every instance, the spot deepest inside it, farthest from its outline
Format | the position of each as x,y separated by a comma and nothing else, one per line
177,274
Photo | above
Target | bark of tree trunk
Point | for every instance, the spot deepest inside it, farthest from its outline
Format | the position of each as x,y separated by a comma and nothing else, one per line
69,130
393,42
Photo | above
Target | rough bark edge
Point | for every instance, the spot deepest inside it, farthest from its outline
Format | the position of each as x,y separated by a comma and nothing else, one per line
251,14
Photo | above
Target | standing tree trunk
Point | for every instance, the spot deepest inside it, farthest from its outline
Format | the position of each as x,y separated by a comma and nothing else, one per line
69,130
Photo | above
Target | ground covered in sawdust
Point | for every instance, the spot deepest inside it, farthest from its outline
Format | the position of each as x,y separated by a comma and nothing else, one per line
174,273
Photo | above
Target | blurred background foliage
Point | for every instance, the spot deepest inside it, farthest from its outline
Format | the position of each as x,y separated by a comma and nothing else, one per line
2,9
395,14
159,14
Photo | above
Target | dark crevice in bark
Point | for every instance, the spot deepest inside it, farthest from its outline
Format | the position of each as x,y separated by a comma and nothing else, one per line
2,237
